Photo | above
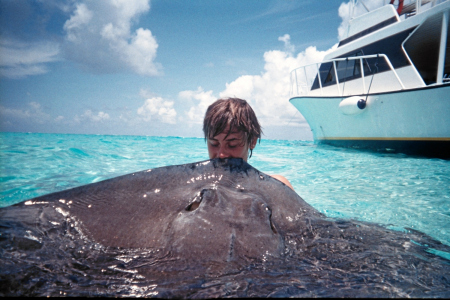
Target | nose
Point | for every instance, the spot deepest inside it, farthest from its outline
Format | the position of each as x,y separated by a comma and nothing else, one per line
223,153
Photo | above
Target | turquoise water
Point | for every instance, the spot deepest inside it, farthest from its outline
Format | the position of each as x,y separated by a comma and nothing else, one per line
391,189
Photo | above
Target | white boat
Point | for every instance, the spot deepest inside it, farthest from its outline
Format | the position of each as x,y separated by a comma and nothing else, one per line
387,85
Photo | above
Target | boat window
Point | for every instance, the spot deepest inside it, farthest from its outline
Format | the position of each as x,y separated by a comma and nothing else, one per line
330,76
390,46
357,68
423,49
446,78
326,74
346,70
367,67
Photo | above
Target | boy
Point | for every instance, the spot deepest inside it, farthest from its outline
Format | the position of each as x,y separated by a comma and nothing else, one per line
231,131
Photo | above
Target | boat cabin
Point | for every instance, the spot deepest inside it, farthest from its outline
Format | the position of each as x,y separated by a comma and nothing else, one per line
393,47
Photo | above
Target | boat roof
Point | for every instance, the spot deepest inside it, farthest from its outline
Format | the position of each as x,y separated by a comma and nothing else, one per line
384,22
375,19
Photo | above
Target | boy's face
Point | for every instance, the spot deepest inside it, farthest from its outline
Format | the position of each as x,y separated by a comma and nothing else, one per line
232,146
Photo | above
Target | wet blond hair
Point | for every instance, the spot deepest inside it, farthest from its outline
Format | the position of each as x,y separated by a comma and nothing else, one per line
234,114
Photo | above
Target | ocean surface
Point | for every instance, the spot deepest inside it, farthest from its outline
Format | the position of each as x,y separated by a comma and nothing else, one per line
394,190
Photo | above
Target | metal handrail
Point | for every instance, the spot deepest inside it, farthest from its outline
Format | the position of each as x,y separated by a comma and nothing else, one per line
361,58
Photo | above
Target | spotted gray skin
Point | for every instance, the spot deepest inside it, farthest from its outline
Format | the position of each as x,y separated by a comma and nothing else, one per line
184,208
209,229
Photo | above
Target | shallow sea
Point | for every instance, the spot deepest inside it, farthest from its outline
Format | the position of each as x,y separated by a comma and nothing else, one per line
395,190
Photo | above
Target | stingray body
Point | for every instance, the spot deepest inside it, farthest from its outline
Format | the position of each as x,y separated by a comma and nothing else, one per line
212,228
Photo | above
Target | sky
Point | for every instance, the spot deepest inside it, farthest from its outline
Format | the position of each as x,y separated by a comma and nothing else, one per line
141,67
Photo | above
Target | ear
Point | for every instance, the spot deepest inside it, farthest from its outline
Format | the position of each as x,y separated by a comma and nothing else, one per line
253,143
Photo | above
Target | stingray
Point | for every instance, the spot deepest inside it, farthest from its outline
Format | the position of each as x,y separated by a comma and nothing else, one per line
190,230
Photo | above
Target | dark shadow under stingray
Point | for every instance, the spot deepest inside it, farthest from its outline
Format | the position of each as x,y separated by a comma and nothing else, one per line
209,229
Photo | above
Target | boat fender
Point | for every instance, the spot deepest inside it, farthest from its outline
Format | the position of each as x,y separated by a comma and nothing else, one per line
361,103
352,105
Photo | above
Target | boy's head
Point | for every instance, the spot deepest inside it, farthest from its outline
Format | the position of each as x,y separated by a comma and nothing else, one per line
229,116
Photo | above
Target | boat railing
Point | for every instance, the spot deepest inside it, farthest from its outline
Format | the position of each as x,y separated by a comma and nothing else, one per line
408,7
308,78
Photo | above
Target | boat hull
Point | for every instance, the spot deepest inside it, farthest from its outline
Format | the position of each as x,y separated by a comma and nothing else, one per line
415,121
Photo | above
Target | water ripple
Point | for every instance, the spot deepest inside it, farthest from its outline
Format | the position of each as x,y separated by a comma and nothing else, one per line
384,188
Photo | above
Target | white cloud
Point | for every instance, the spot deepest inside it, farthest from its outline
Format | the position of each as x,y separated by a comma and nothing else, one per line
287,43
81,17
158,109
99,37
20,59
12,112
33,113
144,93
201,99
90,116
141,53
268,93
